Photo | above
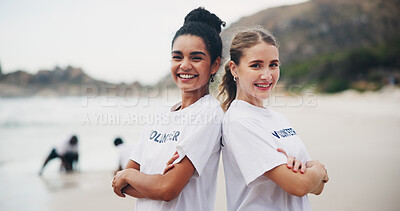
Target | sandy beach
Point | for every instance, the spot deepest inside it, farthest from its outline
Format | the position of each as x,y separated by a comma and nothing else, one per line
357,137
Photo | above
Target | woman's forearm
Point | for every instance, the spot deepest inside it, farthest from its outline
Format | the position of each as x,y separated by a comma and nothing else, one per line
161,186
313,179
149,186
296,183
319,189
129,190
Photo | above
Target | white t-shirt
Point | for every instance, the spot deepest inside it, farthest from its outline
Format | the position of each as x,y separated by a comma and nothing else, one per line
124,151
195,132
251,136
63,147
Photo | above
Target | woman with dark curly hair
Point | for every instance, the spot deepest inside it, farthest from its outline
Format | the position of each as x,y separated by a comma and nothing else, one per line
191,129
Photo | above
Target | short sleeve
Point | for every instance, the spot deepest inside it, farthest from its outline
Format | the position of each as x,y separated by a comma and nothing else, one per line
136,153
253,149
308,158
202,140
304,156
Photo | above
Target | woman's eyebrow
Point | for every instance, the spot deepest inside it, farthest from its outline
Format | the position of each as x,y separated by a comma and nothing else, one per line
191,53
176,52
257,61
197,52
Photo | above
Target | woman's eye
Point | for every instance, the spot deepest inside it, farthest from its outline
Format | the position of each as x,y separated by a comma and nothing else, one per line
274,64
197,58
176,57
255,65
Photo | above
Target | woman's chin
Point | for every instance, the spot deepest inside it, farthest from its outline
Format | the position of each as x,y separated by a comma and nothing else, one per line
262,95
190,88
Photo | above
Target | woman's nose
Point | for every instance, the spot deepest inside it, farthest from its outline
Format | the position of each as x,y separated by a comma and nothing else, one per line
266,75
185,65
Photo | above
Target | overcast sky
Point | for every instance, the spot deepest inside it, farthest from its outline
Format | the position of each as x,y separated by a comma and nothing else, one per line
113,40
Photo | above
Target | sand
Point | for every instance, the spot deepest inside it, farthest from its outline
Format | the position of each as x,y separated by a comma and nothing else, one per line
357,137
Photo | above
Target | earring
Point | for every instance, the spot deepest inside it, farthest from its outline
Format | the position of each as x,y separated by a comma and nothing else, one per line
234,79
212,78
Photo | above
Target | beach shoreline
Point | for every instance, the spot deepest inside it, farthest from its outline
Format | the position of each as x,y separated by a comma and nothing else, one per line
356,135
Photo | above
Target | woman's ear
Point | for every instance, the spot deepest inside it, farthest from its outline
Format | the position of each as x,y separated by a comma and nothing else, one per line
215,66
233,68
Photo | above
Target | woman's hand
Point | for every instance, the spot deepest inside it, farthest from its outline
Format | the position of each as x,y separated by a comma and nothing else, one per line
170,164
293,163
311,163
120,182
164,187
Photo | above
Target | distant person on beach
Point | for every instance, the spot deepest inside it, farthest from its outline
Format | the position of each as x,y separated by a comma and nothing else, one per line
189,131
259,174
124,153
67,151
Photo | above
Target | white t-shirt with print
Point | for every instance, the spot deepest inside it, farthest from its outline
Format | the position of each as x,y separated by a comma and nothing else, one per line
195,132
251,136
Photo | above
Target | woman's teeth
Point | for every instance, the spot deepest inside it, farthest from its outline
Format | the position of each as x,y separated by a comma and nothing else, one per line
186,76
263,85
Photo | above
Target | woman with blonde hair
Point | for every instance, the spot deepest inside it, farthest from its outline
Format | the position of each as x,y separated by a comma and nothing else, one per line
256,139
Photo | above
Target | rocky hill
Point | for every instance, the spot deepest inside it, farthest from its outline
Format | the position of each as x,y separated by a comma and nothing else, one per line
335,44
69,81
332,45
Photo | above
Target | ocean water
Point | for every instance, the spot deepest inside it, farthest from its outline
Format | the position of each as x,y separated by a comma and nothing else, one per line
30,127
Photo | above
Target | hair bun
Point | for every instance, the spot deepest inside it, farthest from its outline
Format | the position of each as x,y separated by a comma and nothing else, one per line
202,15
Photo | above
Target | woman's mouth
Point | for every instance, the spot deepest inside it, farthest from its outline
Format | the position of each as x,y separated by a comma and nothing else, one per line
186,76
263,86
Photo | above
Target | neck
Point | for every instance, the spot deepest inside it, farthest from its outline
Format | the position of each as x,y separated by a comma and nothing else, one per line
190,97
250,99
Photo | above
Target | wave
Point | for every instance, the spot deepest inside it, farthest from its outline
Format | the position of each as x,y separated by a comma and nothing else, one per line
44,112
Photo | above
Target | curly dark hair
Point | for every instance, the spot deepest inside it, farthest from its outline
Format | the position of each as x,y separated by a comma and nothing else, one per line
200,22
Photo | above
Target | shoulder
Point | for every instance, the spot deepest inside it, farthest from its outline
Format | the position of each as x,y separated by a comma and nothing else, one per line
240,112
209,101
207,105
278,116
241,121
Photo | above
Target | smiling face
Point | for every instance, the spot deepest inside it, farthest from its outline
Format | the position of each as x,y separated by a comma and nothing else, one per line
257,73
191,66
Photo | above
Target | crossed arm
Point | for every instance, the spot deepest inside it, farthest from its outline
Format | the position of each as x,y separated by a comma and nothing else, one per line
164,187
299,183
168,186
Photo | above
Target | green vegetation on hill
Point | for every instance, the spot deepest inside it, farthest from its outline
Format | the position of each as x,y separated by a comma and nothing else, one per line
358,68
334,45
